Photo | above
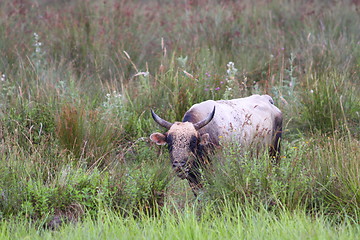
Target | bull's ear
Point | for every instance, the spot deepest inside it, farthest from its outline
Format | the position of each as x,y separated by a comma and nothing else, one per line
205,139
158,138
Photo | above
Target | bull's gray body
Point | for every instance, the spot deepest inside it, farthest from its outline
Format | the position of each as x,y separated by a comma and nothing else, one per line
247,121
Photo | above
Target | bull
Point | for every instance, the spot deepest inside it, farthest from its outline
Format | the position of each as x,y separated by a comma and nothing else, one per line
254,123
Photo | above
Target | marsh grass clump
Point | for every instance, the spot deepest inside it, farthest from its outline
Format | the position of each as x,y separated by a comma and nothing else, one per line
88,136
335,166
250,179
308,176
68,189
330,103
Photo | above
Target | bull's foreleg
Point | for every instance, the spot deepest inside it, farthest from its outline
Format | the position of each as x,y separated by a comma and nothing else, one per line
274,151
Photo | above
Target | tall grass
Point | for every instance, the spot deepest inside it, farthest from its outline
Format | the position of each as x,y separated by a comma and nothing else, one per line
234,223
78,79
314,173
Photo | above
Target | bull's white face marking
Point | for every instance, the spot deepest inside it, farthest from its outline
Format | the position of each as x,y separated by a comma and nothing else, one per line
183,130
182,139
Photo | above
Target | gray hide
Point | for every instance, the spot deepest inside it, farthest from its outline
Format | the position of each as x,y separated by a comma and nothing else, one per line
249,121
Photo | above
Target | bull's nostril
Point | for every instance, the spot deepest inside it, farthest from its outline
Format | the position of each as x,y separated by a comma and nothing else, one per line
176,165
179,164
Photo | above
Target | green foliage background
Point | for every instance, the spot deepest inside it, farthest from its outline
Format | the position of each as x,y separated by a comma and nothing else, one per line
78,79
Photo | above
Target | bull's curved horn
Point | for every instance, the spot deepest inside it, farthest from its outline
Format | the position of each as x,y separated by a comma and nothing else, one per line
203,123
160,121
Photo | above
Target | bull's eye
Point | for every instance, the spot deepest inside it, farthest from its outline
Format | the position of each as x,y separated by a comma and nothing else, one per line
193,143
169,141
170,147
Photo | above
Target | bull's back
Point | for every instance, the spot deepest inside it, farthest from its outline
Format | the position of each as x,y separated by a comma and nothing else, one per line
245,120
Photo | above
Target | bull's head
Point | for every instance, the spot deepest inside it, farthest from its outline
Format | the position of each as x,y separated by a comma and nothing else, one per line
184,142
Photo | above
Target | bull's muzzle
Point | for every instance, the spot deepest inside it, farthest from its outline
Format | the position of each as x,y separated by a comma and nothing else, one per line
181,169
178,164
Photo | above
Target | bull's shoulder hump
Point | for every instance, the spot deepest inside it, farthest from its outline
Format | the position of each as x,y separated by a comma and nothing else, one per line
203,107
199,111
209,104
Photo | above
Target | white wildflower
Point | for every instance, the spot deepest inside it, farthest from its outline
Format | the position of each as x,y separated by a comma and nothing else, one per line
230,65
231,71
145,74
